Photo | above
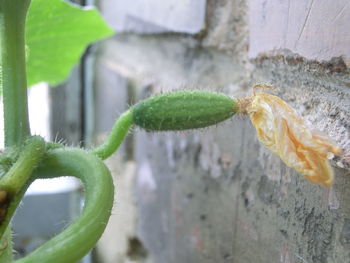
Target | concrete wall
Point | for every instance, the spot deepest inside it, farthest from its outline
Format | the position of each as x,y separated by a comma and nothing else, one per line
216,195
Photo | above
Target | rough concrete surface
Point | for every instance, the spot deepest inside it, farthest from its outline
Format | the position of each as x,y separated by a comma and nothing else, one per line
217,195
155,16
313,29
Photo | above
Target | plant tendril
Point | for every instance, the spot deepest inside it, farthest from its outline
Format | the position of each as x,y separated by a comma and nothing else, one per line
79,237
116,137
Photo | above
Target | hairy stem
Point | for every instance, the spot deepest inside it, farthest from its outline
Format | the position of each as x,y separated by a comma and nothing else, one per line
13,83
6,247
116,137
77,239
16,181
21,170
12,62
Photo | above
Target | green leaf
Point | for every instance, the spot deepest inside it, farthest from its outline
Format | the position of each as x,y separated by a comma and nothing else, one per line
57,34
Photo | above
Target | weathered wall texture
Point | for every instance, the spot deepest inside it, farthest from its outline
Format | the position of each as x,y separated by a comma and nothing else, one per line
216,195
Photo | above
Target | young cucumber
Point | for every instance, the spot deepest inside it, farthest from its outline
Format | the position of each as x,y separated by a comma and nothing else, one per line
182,110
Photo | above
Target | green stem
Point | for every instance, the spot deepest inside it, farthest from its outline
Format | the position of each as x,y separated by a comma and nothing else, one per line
16,181
12,188
6,247
12,62
13,83
77,239
116,137
20,171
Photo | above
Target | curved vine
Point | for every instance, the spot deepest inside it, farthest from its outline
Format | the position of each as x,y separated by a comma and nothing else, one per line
79,237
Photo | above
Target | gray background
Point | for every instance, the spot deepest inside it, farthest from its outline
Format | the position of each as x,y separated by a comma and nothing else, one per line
216,195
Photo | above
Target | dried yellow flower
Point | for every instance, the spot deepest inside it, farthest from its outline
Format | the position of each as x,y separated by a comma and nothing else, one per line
283,132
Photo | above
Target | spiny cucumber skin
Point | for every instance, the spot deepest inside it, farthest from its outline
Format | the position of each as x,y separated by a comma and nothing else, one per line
182,110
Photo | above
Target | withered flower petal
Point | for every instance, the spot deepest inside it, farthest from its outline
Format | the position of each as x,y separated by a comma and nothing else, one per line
283,132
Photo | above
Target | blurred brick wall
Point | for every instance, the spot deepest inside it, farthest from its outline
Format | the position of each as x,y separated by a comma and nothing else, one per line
216,195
